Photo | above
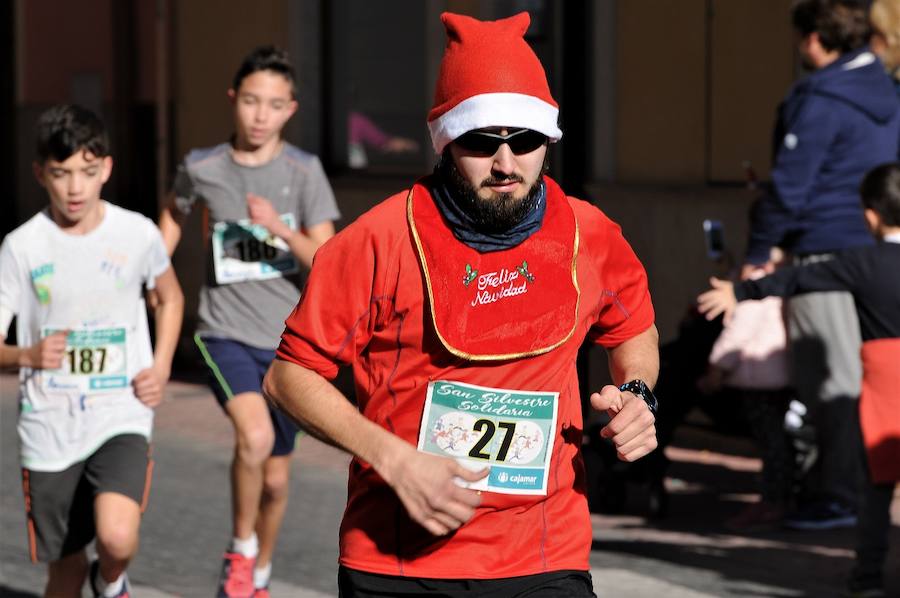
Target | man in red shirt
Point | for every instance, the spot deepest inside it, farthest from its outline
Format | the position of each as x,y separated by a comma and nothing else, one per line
460,305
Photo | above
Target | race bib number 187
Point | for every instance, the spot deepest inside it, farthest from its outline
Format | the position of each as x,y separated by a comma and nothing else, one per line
94,361
510,431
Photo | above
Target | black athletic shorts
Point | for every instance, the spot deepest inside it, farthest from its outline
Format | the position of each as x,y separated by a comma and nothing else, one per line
60,504
555,584
236,368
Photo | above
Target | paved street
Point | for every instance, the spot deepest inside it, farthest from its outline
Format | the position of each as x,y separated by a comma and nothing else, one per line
687,555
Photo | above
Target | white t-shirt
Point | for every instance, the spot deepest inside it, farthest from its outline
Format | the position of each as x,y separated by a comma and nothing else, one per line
91,285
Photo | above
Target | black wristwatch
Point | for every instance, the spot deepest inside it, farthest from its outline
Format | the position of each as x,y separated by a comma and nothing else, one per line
639,388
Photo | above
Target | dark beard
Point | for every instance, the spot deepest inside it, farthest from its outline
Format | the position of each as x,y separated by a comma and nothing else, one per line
489,216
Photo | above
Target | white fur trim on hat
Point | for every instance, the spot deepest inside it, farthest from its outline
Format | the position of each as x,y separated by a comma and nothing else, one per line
514,110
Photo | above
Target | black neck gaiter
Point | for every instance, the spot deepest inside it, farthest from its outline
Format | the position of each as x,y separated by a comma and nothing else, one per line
469,232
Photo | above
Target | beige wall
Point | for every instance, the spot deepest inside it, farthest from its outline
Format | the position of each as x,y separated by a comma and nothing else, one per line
664,226
749,75
660,90
697,85
211,38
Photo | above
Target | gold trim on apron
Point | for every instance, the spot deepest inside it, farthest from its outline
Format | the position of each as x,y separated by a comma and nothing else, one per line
492,356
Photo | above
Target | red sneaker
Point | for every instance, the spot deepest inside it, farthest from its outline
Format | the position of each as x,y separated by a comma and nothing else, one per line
236,580
261,593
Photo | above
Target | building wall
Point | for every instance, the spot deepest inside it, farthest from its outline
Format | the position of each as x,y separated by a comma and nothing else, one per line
50,73
99,54
603,101
682,93
54,71
696,87
749,76
211,39
665,227
661,91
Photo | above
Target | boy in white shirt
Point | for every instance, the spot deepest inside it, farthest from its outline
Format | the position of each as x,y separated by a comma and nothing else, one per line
74,276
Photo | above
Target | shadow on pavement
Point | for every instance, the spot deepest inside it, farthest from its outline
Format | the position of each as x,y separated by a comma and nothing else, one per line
691,547
778,571
8,592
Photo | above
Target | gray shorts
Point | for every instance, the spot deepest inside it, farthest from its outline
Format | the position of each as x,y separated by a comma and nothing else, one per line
824,347
60,504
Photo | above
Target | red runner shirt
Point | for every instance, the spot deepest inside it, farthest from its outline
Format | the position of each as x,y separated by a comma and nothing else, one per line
366,305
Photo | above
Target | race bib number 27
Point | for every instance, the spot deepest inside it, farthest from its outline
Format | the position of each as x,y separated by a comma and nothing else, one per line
510,431
94,361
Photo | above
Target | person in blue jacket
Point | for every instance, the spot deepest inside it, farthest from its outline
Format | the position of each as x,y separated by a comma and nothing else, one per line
834,126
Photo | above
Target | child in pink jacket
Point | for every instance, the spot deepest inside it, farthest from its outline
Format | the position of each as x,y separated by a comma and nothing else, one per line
749,361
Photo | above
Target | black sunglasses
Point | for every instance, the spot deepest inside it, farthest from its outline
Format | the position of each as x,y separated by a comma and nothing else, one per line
523,141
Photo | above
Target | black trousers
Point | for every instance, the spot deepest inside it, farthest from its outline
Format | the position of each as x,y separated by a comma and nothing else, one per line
556,584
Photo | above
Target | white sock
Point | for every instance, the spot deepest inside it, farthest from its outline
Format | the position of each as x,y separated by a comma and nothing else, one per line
261,576
248,547
109,589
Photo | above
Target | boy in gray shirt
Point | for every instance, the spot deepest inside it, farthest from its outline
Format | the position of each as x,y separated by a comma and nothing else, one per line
270,207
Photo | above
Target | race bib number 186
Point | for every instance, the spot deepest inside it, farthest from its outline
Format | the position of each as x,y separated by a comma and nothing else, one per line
94,361
245,251
510,431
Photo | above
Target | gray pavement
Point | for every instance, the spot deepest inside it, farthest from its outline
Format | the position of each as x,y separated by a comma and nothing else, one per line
687,555
186,524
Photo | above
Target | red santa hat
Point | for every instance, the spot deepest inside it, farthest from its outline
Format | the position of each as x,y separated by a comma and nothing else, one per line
490,77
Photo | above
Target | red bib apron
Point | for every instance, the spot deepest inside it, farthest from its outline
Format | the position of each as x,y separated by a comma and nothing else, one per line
505,304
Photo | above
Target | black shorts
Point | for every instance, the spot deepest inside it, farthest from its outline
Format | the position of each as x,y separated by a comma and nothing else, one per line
60,504
236,368
555,584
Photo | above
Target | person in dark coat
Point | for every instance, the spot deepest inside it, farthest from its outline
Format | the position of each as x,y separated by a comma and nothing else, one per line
835,125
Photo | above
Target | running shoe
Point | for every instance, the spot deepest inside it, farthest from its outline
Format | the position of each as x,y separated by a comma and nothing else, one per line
819,516
236,580
261,593
125,592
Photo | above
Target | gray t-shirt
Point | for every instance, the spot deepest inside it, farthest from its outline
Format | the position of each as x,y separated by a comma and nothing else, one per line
251,311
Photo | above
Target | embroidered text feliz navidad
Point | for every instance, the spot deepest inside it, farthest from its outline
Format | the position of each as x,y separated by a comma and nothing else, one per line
498,285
